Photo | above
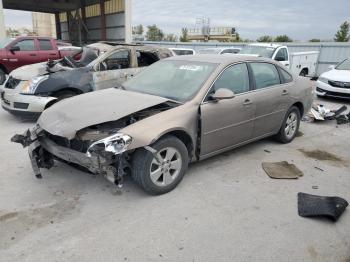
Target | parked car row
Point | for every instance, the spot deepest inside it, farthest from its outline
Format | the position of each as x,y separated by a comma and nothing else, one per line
33,88
153,113
300,63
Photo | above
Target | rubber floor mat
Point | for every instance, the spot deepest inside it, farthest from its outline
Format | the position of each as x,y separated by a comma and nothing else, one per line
281,170
314,206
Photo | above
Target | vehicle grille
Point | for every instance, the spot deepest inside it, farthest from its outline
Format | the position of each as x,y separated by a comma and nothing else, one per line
333,94
12,83
339,84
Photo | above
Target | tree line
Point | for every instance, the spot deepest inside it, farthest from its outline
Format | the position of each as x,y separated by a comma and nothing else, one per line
156,34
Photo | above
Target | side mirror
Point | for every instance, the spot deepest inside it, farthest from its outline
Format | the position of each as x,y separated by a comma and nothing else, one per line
15,48
221,94
331,67
280,58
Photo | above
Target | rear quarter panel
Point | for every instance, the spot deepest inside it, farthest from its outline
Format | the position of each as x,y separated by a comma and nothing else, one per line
302,92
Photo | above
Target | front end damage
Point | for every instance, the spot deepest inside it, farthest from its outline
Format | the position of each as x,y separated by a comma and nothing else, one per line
100,159
101,149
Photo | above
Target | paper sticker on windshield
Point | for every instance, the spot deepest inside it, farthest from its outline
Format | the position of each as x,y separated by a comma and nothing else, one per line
191,67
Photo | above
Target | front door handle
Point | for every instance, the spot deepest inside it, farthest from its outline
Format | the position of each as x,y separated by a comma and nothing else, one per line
284,93
32,54
247,102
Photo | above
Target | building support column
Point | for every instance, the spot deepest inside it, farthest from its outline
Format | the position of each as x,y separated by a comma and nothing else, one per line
58,26
103,21
128,26
2,22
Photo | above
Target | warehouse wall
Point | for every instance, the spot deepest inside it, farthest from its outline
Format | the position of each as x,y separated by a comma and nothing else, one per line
330,53
117,16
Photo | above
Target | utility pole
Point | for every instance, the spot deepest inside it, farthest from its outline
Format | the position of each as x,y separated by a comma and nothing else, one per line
2,22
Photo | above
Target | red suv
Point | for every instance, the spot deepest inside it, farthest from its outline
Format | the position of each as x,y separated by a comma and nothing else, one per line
27,50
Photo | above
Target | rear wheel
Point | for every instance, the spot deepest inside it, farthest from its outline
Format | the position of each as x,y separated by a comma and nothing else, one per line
290,126
161,172
303,72
2,76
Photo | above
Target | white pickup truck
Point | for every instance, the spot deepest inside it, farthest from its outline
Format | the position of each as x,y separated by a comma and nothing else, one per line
300,63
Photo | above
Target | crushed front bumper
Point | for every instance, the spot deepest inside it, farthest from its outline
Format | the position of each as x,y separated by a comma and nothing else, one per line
43,152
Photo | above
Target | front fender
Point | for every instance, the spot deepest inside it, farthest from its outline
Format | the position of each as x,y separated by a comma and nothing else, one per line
147,131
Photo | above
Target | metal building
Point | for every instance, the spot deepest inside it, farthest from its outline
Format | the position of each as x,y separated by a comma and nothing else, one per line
82,21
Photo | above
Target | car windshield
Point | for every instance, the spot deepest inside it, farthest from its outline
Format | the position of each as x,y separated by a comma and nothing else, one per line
209,51
263,51
5,42
176,80
345,65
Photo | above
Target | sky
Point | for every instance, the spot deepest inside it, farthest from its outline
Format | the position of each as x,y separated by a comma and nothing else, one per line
299,19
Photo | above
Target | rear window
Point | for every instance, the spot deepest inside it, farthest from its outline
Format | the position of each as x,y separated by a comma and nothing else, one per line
45,44
286,77
265,75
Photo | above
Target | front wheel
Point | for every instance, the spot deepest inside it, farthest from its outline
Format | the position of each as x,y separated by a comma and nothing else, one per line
290,126
160,172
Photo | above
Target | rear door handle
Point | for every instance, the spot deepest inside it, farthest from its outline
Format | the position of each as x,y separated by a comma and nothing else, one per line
247,102
32,54
284,93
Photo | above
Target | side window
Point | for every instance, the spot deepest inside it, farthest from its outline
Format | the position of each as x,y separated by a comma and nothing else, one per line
286,77
235,78
45,44
26,45
265,75
282,55
117,60
146,58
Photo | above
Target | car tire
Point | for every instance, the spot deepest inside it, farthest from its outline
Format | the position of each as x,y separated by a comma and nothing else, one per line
159,178
64,94
2,77
303,73
290,126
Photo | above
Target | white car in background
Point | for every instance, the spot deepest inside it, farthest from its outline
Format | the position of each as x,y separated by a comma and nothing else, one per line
336,82
182,51
219,51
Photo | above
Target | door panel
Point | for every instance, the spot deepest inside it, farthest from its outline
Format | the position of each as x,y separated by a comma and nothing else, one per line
114,70
47,51
226,123
28,54
271,97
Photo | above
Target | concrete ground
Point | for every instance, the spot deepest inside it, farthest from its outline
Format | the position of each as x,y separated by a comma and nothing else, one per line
225,209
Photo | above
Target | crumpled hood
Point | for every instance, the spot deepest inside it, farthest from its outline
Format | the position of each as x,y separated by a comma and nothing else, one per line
69,116
28,71
337,75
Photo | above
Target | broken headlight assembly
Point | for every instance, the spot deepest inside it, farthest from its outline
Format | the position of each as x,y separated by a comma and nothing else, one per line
116,144
30,86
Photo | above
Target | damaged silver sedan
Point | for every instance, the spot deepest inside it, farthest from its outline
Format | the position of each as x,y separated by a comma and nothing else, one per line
178,110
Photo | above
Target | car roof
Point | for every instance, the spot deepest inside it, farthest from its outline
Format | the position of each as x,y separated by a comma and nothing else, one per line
219,59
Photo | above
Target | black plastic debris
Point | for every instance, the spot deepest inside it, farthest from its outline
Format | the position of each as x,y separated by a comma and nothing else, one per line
321,206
